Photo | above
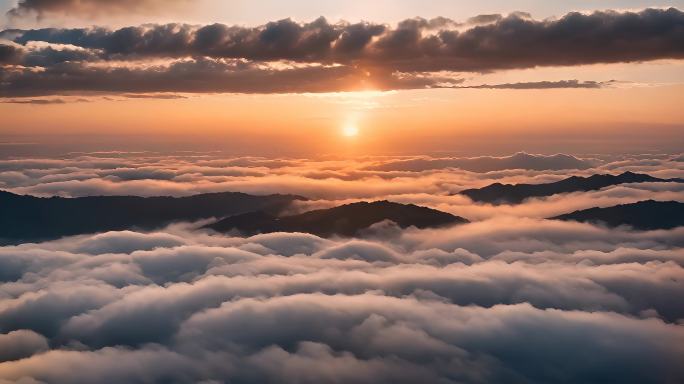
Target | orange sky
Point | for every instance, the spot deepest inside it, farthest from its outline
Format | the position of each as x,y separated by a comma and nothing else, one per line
398,121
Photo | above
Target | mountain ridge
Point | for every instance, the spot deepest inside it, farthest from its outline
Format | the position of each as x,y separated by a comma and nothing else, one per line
643,215
345,220
30,218
498,193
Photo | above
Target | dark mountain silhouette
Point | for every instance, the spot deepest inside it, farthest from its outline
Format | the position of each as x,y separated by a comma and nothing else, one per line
345,220
520,160
644,215
498,193
30,218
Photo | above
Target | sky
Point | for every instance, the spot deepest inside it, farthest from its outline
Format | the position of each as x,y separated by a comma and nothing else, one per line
429,103
409,77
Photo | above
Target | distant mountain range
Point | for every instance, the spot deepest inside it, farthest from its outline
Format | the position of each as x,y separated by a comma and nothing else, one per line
520,160
29,218
644,215
498,193
345,220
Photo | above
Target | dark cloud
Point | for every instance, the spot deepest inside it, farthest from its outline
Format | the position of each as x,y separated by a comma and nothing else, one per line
9,53
195,76
51,101
513,41
46,101
168,96
50,56
370,54
543,85
35,101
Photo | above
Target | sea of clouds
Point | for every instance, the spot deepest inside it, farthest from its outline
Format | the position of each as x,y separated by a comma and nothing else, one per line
509,298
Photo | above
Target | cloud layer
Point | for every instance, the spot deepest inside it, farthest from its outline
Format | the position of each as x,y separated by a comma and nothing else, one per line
319,56
424,180
508,298
480,303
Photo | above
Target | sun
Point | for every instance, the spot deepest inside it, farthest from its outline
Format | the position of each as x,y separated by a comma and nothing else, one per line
350,131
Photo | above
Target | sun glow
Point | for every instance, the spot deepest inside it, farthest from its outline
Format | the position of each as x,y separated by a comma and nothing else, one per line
350,131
